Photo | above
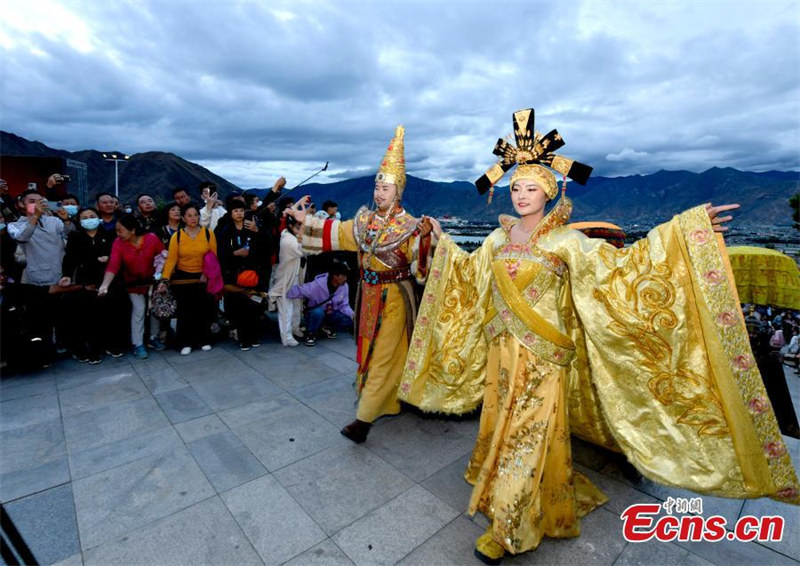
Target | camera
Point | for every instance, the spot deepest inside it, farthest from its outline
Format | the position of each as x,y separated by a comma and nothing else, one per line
63,179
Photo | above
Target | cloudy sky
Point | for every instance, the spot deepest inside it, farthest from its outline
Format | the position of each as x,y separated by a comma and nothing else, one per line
253,89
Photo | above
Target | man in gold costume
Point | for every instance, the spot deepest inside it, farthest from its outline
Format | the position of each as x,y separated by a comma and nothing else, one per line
641,350
393,250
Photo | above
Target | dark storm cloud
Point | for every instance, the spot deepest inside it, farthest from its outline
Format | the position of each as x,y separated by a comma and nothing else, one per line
256,89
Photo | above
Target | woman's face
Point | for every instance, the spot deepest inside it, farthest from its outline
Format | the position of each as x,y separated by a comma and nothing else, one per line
123,233
528,197
237,214
191,218
87,214
174,214
384,195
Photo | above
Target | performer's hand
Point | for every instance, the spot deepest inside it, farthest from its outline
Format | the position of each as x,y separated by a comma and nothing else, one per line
435,226
425,226
718,221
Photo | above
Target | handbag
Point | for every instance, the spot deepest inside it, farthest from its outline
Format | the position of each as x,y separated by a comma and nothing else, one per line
163,304
247,278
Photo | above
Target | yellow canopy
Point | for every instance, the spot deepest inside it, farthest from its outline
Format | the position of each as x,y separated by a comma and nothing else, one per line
765,277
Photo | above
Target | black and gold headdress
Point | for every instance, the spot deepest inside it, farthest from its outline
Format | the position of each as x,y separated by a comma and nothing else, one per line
531,148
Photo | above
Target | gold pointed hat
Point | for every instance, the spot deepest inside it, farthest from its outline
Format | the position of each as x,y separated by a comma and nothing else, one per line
393,164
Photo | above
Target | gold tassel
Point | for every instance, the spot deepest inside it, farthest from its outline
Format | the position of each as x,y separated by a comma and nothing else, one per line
491,194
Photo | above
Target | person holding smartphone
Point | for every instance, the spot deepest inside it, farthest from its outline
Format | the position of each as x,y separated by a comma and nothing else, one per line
41,237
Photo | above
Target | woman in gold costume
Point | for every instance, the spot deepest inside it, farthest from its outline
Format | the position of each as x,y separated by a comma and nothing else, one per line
641,350
393,249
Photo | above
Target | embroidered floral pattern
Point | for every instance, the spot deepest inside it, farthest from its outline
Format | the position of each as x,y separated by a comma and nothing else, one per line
727,319
743,362
707,263
700,236
714,277
775,449
758,405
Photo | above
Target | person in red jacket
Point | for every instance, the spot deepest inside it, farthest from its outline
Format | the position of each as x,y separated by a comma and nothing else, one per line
133,253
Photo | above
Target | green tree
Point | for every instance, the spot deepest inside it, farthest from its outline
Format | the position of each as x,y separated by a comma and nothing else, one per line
794,202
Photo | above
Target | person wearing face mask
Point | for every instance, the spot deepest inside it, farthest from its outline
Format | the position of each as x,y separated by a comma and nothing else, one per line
393,252
641,349
85,261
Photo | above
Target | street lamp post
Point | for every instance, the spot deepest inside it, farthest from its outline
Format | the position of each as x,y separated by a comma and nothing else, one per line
116,158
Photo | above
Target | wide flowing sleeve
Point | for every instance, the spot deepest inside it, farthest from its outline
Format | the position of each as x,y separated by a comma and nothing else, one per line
670,360
327,235
446,362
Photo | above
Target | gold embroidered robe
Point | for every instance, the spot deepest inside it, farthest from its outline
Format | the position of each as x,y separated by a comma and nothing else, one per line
385,311
641,349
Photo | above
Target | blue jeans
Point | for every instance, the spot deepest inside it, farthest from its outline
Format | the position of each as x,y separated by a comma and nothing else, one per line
335,320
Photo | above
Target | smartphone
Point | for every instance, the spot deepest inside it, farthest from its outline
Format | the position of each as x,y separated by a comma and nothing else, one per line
54,205
249,214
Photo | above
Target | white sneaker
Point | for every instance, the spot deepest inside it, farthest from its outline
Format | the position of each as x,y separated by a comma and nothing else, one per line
206,347
185,351
291,342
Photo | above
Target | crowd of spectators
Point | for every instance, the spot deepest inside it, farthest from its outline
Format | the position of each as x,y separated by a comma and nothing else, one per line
81,279
768,328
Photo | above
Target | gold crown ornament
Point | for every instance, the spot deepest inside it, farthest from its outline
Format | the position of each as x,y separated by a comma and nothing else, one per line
393,164
531,152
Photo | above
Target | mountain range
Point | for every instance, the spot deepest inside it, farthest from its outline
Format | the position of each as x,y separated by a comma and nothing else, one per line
628,200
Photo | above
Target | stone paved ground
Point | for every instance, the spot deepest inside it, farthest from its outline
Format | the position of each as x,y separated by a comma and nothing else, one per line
229,457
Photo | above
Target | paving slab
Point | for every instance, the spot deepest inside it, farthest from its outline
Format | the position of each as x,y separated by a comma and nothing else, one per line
110,390
288,433
790,544
107,456
449,485
159,376
26,411
275,524
85,374
453,544
242,385
182,404
112,423
26,387
394,530
399,441
203,534
225,461
46,522
340,485
335,399
600,543
293,374
325,553
32,458
114,502
656,552
198,428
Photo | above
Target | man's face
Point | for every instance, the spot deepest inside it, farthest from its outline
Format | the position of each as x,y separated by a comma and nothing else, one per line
106,205
67,201
147,204
182,198
332,210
